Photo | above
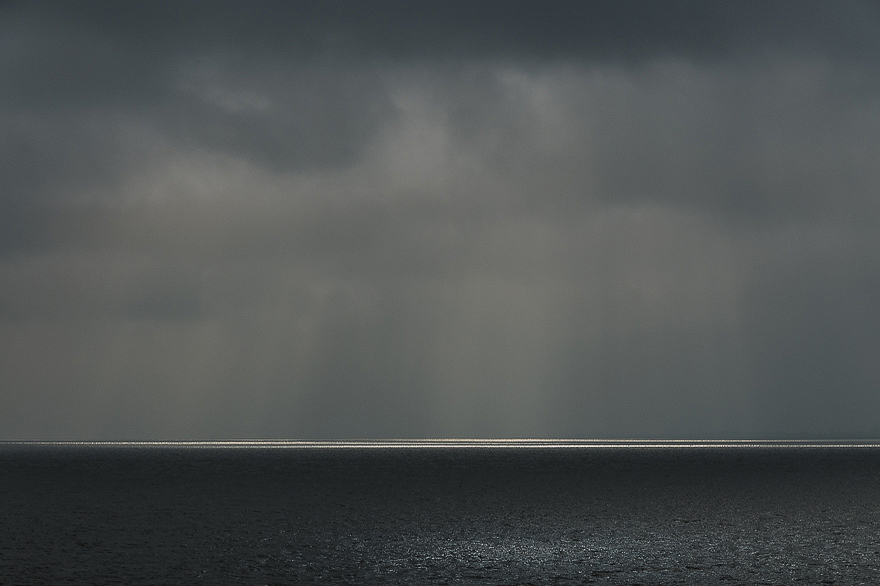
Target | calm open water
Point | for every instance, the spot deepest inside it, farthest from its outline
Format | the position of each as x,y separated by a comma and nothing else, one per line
440,513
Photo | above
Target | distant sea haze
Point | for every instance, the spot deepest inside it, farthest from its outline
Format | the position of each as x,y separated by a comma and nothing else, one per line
440,512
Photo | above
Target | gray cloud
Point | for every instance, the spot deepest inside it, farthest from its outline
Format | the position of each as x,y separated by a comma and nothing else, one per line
813,323
334,220
396,29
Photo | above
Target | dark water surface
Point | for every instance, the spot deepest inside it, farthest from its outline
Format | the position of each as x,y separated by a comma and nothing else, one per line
449,514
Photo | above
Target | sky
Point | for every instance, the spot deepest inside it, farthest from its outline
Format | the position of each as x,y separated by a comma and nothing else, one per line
338,220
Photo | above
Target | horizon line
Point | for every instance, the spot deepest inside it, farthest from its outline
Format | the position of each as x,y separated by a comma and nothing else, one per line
422,443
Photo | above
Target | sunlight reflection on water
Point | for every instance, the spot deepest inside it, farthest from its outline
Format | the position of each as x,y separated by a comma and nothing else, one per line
458,444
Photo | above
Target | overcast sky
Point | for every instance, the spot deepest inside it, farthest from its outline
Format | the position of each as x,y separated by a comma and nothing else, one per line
439,219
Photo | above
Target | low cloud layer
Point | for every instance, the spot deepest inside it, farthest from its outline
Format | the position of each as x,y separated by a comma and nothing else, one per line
651,220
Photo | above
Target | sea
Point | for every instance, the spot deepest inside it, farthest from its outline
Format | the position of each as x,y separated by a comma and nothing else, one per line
440,512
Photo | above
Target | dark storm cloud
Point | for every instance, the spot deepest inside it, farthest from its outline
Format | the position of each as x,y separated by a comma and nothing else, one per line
79,80
416,219
295,86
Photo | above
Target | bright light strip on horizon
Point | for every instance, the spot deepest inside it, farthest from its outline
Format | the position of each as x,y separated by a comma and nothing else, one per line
454,443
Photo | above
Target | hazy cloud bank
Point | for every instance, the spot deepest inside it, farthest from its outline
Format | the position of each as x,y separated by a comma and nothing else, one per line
344,221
